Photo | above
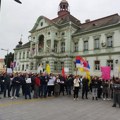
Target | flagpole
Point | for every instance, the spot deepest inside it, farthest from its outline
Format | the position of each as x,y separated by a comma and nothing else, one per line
76,69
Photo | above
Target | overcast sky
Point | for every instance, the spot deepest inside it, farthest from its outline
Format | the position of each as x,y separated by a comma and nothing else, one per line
17,19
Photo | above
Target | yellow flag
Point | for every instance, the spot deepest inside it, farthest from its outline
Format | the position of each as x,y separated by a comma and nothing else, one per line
88,76
48,68
81,69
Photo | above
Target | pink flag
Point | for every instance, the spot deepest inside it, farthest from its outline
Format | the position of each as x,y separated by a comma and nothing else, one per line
105,72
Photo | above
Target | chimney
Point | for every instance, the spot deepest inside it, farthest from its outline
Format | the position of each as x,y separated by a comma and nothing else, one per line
87,21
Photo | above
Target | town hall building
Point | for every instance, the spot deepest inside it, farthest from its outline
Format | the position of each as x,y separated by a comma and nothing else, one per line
59,40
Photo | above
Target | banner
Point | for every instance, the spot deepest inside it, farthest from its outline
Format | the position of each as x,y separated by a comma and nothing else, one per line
40,69
48,68
105,72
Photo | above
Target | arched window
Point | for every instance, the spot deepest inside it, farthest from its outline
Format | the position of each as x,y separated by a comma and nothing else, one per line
40,43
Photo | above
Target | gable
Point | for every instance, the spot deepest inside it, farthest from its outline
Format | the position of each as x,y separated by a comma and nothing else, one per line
41,23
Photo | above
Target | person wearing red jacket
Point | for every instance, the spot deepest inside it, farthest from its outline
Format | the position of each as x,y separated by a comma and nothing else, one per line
36,86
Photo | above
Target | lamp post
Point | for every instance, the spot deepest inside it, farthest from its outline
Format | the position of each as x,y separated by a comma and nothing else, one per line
6,56
18,1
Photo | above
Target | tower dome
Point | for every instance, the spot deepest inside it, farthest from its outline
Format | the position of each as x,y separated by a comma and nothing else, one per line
63,8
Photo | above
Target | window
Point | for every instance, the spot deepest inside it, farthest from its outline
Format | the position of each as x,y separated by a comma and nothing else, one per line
76,46
109,41
74,64
22,67
96,43
62,65
20,55
27,54
48,33
31,66
41,23
55,65
27,66
23,55
110,63
55,47
85,45
40,43
15,56
97,65
63,47
63,33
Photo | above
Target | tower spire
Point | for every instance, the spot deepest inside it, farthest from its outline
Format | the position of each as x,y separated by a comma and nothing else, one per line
20,42
63,8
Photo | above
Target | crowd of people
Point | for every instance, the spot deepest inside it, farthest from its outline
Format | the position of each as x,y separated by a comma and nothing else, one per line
43,85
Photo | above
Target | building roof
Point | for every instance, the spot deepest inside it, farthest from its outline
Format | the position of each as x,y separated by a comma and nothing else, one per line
99,23
1,60
26,45
64,1
66,18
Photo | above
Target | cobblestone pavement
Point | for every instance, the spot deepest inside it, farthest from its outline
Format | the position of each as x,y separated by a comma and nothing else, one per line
60,108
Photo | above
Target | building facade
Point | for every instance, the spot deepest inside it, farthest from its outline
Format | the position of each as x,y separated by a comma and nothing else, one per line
2,65
58,41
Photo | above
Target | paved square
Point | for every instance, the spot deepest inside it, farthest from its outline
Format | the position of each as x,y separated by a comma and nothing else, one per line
60,108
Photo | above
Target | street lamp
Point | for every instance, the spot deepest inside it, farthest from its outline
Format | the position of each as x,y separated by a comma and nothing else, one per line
18,1
6,56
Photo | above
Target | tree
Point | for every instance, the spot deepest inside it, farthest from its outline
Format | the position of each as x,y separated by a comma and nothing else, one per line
8,59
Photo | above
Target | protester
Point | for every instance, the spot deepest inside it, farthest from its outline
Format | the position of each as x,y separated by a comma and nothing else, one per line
116,92
27,86
85,87
36,86
6,84
76,86
94,85
15,86
105,89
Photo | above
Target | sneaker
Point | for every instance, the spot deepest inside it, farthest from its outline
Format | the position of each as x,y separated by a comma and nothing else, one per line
104,99
15,97
74,98
11,98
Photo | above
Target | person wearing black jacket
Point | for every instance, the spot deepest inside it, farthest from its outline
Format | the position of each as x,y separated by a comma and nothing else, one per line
1,83
85,87
6,84
116,92
94,85
15,86
69,84
43,88
100,87
1,78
